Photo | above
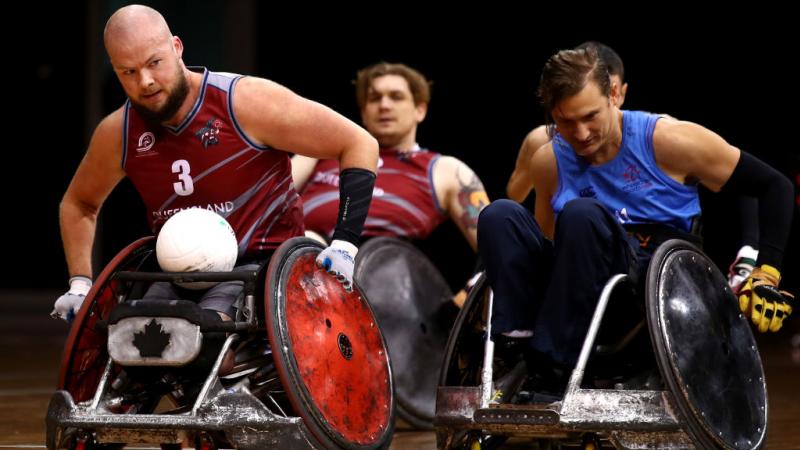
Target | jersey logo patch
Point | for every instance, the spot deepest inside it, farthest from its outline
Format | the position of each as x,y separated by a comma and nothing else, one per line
588,192
633,179
146,142
209,134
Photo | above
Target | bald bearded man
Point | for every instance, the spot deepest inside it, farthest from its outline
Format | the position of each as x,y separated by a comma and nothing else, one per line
188,137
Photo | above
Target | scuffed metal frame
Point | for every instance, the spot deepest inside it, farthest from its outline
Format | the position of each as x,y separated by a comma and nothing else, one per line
629,419
243,418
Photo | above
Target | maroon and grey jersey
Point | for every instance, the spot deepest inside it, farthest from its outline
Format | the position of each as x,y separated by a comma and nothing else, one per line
208,162
403,203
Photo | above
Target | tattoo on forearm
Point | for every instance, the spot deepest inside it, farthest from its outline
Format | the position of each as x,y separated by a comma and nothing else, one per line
472,198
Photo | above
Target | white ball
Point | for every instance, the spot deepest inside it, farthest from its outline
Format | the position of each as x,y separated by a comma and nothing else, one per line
196,240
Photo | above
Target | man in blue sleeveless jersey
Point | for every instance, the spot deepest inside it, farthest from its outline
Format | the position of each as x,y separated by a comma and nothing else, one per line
607,172
520,184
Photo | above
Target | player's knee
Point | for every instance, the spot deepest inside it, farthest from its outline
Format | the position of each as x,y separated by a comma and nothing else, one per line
581,211
496,215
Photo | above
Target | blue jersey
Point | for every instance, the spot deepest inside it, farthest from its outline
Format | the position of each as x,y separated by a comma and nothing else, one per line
631,185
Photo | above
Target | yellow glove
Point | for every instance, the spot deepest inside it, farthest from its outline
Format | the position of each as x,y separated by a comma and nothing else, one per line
760,299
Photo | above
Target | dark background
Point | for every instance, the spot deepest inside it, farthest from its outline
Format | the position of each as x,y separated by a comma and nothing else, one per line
734,75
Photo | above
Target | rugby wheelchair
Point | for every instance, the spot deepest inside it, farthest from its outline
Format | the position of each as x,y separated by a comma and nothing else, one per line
311,367
702,386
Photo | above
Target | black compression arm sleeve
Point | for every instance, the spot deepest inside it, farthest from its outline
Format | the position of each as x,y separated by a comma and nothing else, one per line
774,193
748,220
355,195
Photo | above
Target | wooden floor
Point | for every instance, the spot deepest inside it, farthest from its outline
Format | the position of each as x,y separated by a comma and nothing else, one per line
31,345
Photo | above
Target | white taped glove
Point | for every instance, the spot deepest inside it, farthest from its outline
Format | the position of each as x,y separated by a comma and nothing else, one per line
339,260
68,305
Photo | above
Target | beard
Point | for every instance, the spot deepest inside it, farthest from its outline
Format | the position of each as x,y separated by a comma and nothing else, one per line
174,101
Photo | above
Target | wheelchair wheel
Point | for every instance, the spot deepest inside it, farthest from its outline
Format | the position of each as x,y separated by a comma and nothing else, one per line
329,352
463,359
464,351
85,353
413,305
705,350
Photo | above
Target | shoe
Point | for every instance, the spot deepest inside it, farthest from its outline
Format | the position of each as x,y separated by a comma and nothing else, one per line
507,386
546,381
508,351
534,397
537,390
647,380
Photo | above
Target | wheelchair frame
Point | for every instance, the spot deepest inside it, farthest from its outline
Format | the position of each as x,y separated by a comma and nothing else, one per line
627,419
238,413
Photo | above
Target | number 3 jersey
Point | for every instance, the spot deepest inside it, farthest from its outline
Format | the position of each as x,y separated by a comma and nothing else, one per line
208,162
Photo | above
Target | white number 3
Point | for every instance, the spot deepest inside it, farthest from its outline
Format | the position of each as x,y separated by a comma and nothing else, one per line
185,186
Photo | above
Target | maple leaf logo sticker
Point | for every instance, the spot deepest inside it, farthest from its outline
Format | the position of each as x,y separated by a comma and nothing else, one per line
152,341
